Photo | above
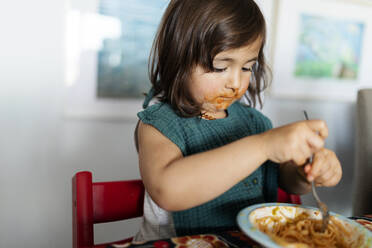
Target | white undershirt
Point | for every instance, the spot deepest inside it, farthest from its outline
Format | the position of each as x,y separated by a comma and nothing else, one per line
157,223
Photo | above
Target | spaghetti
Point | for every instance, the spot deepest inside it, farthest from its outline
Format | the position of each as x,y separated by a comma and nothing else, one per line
303,232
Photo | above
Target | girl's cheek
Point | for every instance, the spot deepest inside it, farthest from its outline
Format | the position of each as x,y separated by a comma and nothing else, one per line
241,93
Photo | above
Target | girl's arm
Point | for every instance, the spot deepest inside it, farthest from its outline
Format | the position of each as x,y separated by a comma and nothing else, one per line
177,183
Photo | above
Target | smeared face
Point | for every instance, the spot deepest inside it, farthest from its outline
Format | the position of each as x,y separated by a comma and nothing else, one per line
217,90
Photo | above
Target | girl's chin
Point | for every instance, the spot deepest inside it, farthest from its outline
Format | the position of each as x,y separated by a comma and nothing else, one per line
220,107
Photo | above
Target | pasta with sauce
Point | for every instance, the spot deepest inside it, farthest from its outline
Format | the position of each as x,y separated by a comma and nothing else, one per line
303,232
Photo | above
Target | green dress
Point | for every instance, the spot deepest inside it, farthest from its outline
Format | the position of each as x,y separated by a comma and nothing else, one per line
194,135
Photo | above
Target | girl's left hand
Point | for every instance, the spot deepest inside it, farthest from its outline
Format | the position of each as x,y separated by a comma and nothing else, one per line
325,169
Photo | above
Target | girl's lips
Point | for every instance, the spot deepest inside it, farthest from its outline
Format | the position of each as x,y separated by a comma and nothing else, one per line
224,99
227,97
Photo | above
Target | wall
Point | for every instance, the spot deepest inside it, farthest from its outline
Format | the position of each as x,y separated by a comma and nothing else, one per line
40,149
30,81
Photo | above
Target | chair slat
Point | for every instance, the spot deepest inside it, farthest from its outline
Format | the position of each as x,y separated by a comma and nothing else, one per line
117,200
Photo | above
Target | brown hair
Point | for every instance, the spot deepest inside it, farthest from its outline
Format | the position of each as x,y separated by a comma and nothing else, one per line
193,32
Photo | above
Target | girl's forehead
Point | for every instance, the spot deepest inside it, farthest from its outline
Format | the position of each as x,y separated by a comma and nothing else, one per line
246,50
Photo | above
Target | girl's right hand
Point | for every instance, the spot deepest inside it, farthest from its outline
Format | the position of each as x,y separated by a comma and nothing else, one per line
295,142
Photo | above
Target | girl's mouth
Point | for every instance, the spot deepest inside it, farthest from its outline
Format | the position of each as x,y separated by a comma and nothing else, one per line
224,99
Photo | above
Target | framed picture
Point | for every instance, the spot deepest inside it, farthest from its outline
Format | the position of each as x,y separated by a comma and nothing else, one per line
108,44
321,49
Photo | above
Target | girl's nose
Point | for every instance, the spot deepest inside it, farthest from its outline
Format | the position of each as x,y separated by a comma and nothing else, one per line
234,82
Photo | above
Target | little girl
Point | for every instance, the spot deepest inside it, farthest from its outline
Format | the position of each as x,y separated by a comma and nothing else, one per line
203,155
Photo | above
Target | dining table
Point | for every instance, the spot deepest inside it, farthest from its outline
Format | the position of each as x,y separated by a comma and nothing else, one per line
230,238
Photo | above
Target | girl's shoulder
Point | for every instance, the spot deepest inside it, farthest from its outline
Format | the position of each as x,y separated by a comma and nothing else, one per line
251,113
165,120
158,111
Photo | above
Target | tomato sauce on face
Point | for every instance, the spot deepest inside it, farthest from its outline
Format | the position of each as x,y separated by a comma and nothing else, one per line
223,101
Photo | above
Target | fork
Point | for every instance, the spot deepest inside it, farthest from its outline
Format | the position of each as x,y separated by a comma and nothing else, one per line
321,205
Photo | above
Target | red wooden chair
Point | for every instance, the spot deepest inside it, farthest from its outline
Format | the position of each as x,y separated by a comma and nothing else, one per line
100,202
288,198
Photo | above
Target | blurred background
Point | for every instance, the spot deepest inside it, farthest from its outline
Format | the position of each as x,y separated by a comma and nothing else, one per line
63,109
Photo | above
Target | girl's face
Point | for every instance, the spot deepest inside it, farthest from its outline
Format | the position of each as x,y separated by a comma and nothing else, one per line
217,90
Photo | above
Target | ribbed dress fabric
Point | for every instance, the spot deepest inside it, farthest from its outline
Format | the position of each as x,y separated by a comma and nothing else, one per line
195,135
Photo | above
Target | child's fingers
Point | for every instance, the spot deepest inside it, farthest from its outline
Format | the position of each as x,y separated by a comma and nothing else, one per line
307,168
296,141
336,176
326,169
326,176
335,179
330,178
301,155
315,142
319,165
319,127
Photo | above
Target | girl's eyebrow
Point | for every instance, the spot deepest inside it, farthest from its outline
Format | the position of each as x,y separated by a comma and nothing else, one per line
231,59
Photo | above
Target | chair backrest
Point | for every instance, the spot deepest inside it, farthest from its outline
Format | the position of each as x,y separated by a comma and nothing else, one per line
284,197
362,184
99,202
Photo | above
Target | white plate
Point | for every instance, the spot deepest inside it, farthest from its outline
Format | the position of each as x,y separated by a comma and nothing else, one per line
246,221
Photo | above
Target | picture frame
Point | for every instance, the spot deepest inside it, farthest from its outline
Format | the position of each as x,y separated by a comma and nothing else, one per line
108,44
316,55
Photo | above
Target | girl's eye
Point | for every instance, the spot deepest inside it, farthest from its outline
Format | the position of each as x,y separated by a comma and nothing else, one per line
219,69
247,69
